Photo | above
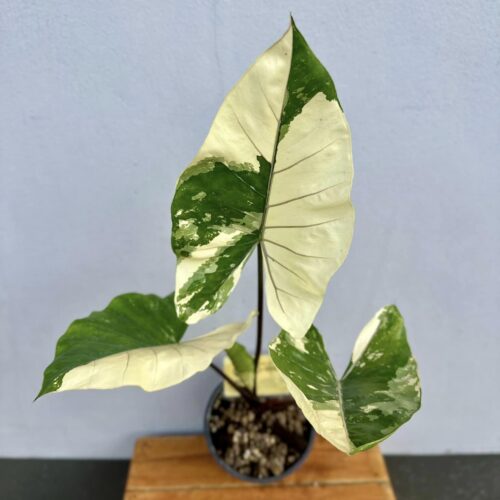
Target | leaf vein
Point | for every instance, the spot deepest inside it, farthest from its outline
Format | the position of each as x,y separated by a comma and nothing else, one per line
303,196
286,267
304,225
307,157
294,251
247,134
272,279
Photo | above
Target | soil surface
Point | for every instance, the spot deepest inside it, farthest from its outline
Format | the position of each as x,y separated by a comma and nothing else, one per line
259,442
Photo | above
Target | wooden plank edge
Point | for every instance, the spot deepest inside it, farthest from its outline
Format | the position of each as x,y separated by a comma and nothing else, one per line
248,485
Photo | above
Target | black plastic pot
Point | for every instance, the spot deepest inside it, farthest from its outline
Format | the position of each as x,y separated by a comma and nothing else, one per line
208,436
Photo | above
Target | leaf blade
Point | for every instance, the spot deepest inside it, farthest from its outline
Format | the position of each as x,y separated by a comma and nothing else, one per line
281,137
135,340
379,392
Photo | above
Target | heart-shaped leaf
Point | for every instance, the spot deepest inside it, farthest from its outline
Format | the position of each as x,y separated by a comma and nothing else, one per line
134,341
379,391
275,170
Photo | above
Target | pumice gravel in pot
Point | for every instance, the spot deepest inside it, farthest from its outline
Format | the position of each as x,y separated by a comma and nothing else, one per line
261,442
274,177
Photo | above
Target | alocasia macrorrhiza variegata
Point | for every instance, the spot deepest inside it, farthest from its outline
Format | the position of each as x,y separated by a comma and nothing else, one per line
273,175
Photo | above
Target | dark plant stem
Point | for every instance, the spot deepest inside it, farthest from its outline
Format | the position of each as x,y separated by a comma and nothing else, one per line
260,317
251,396
245,393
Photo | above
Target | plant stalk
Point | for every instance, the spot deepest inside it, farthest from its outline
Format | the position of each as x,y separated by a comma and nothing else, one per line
251,396
244,392
260,317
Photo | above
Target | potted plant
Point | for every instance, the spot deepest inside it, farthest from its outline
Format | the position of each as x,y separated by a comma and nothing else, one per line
274,175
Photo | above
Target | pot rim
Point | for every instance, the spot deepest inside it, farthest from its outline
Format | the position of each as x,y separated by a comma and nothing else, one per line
208,437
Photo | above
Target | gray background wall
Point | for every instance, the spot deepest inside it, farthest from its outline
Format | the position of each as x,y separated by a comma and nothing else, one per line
102,104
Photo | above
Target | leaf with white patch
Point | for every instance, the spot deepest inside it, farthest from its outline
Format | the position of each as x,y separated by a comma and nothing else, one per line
275,170
134,341
379,391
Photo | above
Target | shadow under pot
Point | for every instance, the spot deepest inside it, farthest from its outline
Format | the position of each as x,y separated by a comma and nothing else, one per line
258,442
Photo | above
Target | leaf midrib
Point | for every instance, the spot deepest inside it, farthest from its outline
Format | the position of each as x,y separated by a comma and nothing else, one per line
261,246
275,149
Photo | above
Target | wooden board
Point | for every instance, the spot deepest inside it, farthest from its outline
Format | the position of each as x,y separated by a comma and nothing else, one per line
181,468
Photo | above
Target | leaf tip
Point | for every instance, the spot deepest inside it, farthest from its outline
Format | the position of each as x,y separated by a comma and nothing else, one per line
393,309
41,393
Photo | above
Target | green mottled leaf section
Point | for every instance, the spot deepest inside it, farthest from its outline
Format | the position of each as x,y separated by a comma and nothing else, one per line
243,363
130,321
216,217
379,391
212,195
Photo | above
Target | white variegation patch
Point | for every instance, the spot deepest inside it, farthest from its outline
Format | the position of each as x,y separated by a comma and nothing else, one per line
299,344
245,125
309,220
326,418
365,336
394,397
155,368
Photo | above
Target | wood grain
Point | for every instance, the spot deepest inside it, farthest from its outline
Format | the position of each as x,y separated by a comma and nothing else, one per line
181,467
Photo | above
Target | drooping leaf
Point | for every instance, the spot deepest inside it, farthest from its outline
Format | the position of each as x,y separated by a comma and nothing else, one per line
275,169
134,341
243,364
379,391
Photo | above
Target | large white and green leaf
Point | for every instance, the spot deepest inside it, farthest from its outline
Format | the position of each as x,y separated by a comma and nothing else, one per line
275,169
379,391
136,340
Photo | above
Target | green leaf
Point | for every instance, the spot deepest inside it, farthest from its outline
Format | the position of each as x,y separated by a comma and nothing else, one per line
379,391
134,341
275,170
243,364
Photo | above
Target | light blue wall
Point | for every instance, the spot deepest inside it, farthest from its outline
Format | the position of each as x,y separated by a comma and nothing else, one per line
102,104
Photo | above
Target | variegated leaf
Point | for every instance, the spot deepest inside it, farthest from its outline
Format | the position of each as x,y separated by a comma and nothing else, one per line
379,391
134,341
275,169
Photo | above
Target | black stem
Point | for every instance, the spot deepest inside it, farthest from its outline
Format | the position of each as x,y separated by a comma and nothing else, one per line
260,317
245,393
